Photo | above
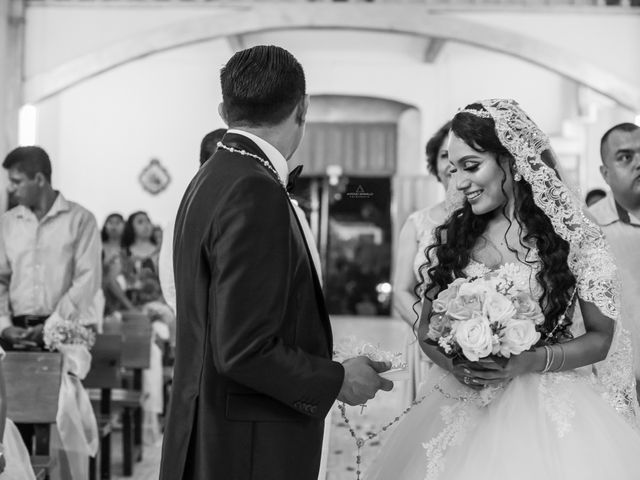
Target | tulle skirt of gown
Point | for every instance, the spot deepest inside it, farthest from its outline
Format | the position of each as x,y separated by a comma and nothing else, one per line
552,427
18,465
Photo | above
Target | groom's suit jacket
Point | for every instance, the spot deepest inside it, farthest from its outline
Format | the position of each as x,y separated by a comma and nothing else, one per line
253,377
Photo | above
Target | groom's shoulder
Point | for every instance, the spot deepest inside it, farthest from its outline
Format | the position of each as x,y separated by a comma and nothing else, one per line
226,174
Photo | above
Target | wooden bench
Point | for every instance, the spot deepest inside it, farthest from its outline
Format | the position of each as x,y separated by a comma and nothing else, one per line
40,465
136,356
104,376
33,387
135,332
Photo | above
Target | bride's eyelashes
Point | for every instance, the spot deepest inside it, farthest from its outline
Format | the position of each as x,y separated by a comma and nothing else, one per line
470,167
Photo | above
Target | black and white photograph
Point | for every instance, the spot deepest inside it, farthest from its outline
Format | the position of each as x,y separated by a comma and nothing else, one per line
320,239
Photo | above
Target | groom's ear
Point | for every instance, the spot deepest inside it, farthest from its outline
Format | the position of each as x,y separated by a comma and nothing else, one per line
222,112
301,110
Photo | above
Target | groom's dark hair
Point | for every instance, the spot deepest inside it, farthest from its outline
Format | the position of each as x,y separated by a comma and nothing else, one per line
261,86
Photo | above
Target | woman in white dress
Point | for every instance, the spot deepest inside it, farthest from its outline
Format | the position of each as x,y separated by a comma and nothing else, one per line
577,420
416,234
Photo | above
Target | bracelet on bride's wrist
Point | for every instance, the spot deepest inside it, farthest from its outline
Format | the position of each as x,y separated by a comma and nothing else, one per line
560,367
548,358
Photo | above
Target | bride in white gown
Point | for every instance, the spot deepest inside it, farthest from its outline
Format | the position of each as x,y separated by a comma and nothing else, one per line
577,420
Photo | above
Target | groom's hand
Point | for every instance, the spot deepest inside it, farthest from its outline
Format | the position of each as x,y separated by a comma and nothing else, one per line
361,380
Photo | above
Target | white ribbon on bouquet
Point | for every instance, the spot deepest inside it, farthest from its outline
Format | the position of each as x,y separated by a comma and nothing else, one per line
76,437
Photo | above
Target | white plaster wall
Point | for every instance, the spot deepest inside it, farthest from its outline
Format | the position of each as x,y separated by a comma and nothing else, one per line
55,34
58,33
102,132
460,75
608,40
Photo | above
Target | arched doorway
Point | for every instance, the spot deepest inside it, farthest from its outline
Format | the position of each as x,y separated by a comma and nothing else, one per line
350,156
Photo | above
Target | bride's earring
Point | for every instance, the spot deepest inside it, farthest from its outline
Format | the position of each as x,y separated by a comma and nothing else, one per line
517,177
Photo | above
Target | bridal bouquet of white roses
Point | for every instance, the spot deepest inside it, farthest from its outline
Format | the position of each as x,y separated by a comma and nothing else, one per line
484,316
59,332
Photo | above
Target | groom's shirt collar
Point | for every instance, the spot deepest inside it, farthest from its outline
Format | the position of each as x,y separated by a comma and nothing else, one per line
273,154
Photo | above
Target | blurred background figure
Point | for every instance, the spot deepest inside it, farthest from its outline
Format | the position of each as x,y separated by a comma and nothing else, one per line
49,254
415,236
50,267
618,214
113,280
141,253
111,236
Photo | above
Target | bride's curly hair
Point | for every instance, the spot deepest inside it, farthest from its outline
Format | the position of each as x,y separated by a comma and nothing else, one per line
456,238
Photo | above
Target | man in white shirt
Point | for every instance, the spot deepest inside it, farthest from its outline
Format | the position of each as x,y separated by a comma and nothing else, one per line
49,253
618,214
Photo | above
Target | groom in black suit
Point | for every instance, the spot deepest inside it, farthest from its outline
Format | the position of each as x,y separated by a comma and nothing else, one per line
253,375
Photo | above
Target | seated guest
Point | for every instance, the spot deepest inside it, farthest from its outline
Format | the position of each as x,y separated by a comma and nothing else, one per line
49,253
141,259
111,236
141,270
113,282
594,196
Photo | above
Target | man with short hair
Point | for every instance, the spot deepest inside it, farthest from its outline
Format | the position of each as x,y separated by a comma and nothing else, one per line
49,253
618,214
253,378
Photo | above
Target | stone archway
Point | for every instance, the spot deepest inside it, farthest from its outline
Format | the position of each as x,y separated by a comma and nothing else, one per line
409,20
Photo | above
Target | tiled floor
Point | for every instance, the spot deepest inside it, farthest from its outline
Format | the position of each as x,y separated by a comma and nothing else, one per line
390,335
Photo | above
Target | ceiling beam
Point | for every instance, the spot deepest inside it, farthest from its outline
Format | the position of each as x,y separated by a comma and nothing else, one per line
344,16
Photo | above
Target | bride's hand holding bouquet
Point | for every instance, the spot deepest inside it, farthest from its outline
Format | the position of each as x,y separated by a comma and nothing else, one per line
487,327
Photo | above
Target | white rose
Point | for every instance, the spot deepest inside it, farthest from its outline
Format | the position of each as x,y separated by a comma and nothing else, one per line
527,308
477,288
518,336
474,337
498,308
468,301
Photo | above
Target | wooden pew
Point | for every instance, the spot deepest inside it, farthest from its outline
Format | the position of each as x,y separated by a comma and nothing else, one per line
40,466
135,331
33,388
104,376
136,356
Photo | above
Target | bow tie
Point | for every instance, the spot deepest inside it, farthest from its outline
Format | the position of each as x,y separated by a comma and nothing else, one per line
293,176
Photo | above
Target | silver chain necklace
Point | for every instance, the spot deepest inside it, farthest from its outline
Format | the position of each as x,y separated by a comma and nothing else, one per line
264,162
